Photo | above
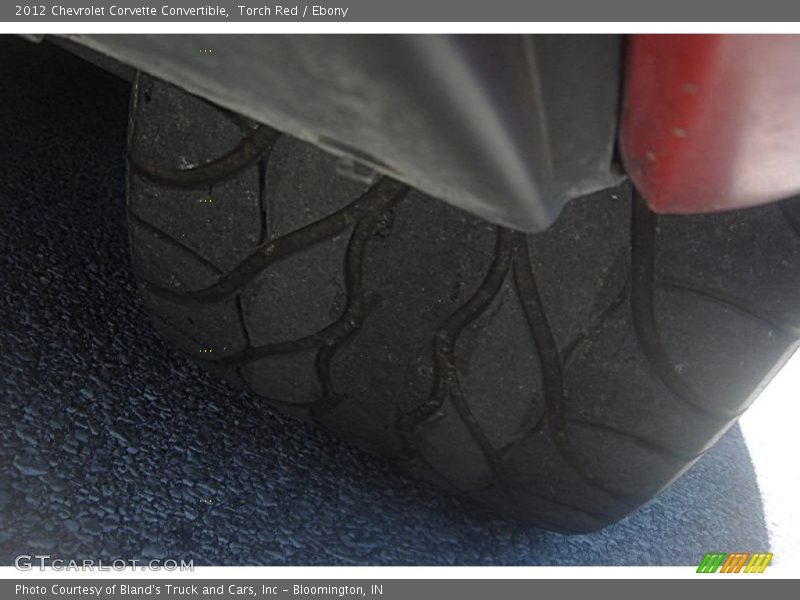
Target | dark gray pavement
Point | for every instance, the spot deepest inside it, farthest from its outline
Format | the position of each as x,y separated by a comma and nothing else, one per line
113,445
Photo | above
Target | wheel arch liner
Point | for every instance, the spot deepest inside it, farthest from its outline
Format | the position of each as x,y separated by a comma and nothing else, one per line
507,127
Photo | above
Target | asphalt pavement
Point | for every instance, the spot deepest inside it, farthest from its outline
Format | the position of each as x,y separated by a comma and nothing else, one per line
114,445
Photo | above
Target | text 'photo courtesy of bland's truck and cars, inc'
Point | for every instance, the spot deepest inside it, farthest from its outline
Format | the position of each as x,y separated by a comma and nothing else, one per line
205,591
301,11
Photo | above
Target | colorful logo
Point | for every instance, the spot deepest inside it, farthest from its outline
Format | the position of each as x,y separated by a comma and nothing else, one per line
738,562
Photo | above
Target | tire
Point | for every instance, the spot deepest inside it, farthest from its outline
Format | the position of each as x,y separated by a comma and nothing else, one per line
562,378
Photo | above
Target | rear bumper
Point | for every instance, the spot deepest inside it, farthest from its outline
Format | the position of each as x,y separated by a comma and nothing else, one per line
712,122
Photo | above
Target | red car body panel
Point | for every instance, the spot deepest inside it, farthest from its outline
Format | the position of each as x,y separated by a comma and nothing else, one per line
712,122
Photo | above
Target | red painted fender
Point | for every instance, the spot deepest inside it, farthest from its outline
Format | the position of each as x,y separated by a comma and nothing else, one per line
712,122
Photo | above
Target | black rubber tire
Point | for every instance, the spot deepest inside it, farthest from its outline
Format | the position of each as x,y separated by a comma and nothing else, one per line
564,378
